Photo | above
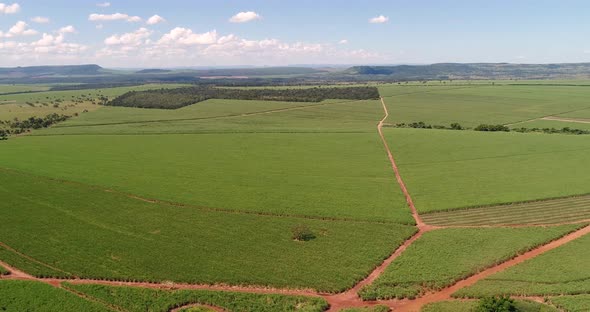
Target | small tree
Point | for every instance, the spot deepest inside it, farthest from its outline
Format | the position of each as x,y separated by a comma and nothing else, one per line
3,135
302,233
456,126
496,304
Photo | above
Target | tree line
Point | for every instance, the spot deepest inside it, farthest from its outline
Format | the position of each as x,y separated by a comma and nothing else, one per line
492,128
17,126
180,97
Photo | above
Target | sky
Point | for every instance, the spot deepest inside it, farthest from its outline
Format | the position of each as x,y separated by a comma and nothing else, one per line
190,33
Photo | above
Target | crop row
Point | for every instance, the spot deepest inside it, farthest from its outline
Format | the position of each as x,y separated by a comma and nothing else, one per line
541,212
442,257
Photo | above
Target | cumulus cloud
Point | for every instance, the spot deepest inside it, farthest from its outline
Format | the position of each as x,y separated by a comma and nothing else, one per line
9,8
103,4
113,17
67,30
135,38
379,19
156,19
185,36
343,41
40,20
244,17
19,29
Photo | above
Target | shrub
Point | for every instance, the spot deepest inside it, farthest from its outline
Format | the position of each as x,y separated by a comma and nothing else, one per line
496,304
302,233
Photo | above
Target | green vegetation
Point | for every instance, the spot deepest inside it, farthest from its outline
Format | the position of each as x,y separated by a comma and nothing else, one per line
446,170
152,300
146,241
22,126
3,271
177,98
472,306
442,257
230,116
35,268
16,296
564,270
579,303
326,175
496,304
472,105
569,209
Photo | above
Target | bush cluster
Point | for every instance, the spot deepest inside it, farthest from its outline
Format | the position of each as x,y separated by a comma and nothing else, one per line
20,126
492,128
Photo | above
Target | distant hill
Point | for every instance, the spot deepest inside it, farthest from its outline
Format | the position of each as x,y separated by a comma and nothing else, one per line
473,71
50,71
153,71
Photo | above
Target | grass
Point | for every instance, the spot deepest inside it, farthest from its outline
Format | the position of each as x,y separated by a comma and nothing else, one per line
3,271
322,175
570,209
579,303
471,306
564,270
442,257
92,233
227,116
446,170
151,300
540,123
474,105
27,105
22,88
17,296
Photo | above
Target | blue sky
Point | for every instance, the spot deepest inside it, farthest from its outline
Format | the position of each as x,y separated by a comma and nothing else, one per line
274,32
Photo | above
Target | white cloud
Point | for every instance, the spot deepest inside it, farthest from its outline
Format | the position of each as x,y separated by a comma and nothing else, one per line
343,41
185,36
135,38
40,20
379,19
113,17
99,26
9,8
67,30
103,4
156,19
19,29
244,17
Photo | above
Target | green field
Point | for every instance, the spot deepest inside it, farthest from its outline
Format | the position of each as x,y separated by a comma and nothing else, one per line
569,209
17,296
474,105
579,303
152,242
21,88
150,300
447,170
442,257
230,116
39,104
471,306
321,175
564,270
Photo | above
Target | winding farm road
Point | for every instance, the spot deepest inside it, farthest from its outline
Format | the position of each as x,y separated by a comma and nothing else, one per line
348,298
